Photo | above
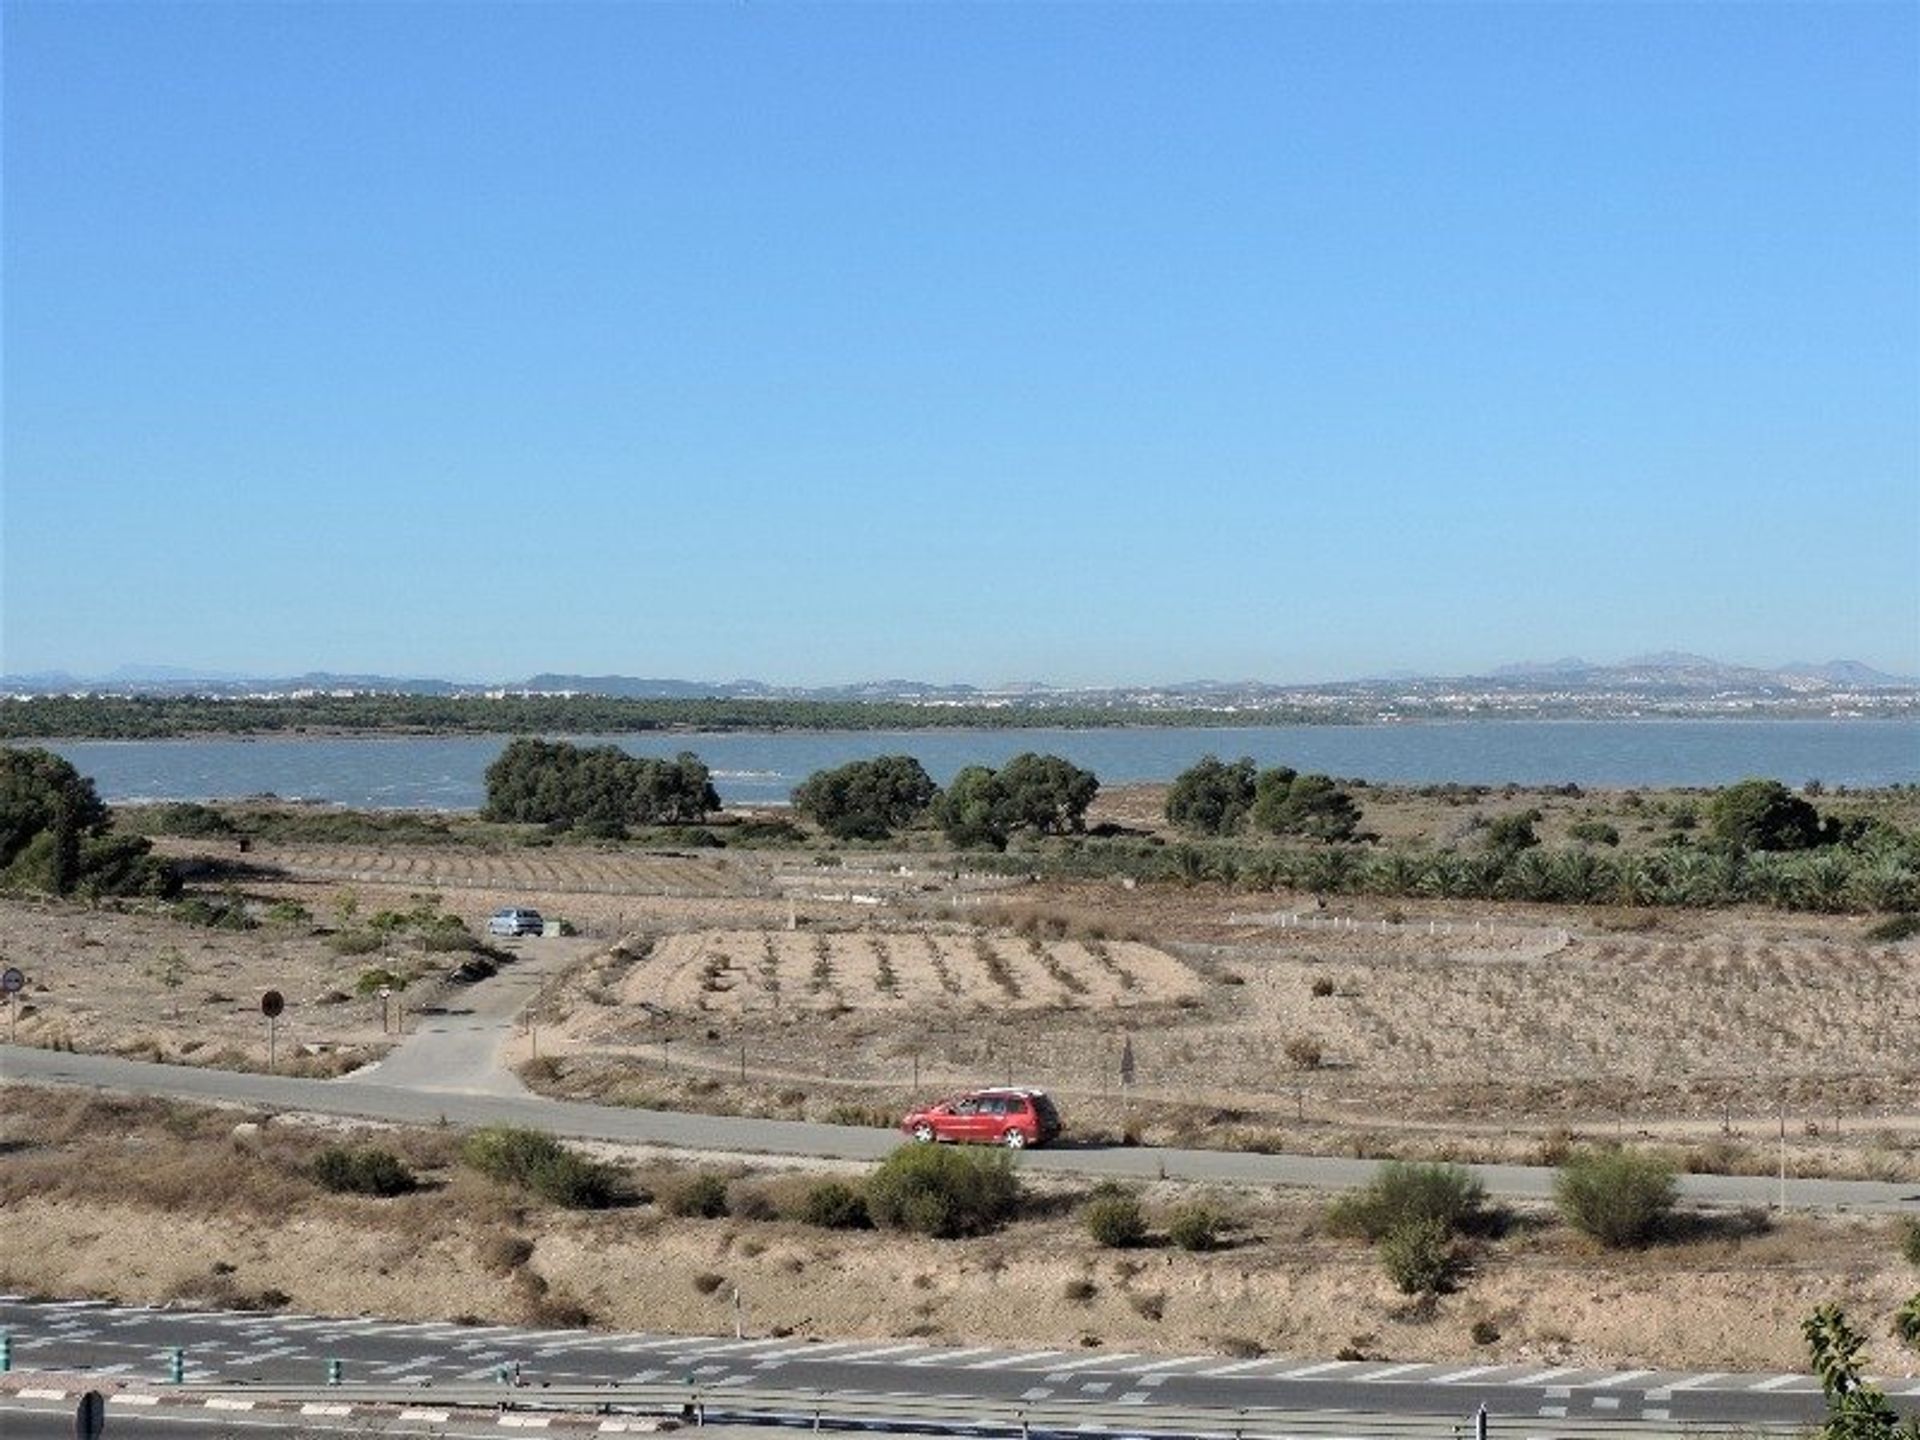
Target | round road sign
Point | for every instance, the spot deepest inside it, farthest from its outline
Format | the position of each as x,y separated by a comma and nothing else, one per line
11,980
272,1003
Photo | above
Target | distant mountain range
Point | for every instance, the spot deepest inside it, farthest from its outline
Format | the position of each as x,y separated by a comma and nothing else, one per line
1666,675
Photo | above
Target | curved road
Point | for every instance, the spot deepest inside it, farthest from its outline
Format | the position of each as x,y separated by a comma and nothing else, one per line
448,1072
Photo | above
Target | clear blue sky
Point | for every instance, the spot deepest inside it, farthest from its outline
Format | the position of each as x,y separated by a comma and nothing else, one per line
1090,343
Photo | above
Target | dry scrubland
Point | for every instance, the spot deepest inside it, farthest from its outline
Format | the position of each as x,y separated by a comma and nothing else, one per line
94,1179
1419,1029
1257,1019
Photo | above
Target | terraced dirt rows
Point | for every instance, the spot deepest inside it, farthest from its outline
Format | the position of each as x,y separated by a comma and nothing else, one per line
568,871
730,971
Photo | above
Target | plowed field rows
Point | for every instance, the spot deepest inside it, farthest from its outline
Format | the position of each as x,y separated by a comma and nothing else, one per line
556,872
728,971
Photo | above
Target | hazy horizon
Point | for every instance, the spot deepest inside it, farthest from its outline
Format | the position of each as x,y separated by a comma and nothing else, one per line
1095,345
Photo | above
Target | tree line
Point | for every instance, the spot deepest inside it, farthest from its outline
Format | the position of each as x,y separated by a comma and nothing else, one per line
158,717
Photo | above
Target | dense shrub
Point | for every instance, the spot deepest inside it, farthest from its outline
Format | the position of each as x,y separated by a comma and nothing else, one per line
539,1162
1114,1220
1619,1197
1910,1242
866,799
1418,1255
1195,1227
1212,797
703,1197
835,1206
601,788
362,1172
1402,1194
945,1192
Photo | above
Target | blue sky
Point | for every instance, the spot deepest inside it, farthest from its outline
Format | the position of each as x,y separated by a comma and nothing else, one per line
1083,343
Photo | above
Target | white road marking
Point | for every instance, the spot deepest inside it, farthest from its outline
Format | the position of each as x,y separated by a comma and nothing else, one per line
1038,1392
1014,1362
309,1409
526,1422
1655,1415
1389,1372
1458,1375
1093,1362
860,1357
806,1351
1778,1382
1096,1387
1306,1370
943,1357
1555,1412
42,1394
1235,1368
222,1402
1698,1382
1559,1392
136,1399
1541,1377
1625,1377
1606,1402
645,1377
438,1417
402,1367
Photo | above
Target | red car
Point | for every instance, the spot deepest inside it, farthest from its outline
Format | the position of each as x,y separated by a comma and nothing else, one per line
1006,1116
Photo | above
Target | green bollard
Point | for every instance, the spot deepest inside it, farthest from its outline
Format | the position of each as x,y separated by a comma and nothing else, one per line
333,1372
502,1374
176,1366
6,1351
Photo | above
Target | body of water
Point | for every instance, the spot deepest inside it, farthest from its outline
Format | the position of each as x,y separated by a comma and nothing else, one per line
432,772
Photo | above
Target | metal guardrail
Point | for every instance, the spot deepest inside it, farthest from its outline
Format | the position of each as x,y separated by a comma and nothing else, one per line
838,1410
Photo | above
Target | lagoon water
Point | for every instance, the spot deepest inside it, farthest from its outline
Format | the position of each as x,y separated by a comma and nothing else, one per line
447,773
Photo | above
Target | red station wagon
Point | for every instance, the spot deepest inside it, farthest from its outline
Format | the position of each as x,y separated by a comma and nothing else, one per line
1006,1116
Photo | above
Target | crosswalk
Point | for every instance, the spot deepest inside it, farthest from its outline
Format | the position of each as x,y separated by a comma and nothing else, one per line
225,1342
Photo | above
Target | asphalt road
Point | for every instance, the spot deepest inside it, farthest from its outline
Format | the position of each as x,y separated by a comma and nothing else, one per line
127,1343
363,1096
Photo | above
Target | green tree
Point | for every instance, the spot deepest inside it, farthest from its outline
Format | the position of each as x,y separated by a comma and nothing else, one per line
972,810
1855,1409
599,789
1212,797
867,799
1045,793
1310,805
1763,815
55,833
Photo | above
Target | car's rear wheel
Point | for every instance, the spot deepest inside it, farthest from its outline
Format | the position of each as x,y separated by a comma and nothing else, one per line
1014,1139
923,1132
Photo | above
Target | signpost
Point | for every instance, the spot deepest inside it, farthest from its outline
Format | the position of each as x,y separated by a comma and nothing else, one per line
12,981
271,1004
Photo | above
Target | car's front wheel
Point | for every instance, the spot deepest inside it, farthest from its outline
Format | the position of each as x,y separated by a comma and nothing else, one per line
923,1132
1015,1139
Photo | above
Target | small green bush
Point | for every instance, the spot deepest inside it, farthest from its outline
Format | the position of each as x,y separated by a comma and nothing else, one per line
940,1191
704,1197
834,1205
1619,1197
1402,1193
1910,1242
1906,1321
1195,1227
1418,1255
539,1162
355,942
1594,832
372,981
1115,1221
362,1172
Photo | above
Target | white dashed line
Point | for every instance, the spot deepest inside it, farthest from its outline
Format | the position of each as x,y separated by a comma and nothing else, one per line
1038,1392
1625,1377
1014,1362
1388,1373
1235,1368
309,1409
1322,1368
1697,1382
864,1355
1778,1382
438,1417
1606,1402
943,1357
1455,1377
1541,1377
1093,1362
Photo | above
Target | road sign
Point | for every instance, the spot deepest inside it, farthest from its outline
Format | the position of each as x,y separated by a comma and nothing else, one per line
12,980
90,1417
272,1003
